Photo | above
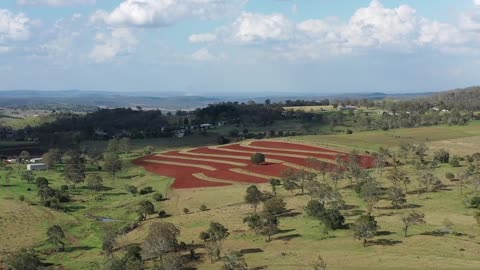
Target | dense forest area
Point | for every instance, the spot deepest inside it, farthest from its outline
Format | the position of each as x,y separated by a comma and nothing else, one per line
461,99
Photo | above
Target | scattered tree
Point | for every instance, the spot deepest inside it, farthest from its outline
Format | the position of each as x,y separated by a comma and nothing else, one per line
397,197
364,228
274,206
258,158
145,208
412,218
253,196
56,237
214,236
274,182
234,261
112,163
94,182
161,240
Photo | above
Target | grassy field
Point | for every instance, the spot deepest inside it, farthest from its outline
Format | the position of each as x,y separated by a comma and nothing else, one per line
372,140
23,224
300,241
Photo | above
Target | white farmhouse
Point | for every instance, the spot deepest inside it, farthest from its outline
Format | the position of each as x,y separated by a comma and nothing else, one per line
36,160
37,167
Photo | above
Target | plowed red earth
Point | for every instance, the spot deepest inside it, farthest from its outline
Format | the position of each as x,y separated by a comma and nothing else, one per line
183,171
183,175
234,176
294,146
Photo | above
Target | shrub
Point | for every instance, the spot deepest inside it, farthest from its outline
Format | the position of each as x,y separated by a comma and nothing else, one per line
186,210
475,202
257,158
455,161
41,182
333,219
314,208
157,197
222,140
64,188
203,207
162,214
349,131
21,198
442,156
146,190
450,176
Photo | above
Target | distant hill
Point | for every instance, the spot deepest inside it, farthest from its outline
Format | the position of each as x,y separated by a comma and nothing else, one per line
462,99
89,100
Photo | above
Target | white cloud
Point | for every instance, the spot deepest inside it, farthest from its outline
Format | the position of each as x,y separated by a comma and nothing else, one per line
14,26
203,55
119,42
476,2
376,25
56,3
439,34
157,13
470,21
256,28
202,38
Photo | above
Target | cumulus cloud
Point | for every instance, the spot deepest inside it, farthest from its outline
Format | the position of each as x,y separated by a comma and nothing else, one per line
374,27
120,41
14,26
476,2
255,28
55,3
157,13
202,38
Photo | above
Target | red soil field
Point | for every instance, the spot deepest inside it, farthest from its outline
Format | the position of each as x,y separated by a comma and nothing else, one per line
293,146
270,169
234,176
332,156
237,160
216,165
184,174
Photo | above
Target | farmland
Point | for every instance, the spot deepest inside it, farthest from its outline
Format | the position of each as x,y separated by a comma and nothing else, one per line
217,166
220,175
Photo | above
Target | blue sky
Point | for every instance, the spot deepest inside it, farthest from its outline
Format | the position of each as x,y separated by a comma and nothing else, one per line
240,46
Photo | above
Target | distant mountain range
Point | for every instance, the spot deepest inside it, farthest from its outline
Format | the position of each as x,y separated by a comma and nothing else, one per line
70,99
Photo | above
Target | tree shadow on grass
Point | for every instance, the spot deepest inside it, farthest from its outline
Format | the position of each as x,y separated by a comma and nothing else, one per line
406,206
288,237
263,267
388,214
384,233
290,213
115,194
251,250
79,248
384,242
286,230
103,188
7,186
355,212
74,208
349,207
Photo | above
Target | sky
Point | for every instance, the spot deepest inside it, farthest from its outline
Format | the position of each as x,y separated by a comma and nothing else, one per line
230,47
